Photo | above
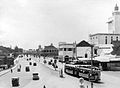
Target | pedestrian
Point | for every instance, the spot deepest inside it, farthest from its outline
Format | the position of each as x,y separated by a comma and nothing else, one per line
44,86
20,66
61,73
81,80
11,70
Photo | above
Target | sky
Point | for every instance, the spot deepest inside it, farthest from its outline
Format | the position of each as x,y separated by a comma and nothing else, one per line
29,23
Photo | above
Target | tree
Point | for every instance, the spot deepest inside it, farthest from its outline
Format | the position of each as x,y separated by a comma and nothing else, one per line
116,48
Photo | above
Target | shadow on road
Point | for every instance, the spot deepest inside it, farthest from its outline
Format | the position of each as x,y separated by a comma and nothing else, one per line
99,82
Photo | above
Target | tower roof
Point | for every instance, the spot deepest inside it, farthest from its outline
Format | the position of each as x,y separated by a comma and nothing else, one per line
116,7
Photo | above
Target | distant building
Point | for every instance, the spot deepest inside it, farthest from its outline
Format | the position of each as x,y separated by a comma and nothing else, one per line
30,51
49,51
66,51
39,48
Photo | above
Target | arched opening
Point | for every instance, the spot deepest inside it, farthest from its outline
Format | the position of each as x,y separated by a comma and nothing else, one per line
66,58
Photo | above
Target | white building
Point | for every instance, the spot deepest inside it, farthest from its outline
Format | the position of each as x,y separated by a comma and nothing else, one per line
114,21
103,38
66,50
83,50
103,41
113,30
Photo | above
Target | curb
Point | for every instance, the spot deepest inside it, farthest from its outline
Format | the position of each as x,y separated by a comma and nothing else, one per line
7,70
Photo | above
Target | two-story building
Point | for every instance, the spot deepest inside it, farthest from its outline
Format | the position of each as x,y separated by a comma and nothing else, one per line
67,51
50,51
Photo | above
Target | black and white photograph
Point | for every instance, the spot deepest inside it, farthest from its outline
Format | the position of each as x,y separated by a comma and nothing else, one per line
59,43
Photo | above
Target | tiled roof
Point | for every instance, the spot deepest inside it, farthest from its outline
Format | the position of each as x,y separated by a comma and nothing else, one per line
83,44
49,47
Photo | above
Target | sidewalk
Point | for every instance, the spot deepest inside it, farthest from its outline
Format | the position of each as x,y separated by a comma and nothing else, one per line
7,70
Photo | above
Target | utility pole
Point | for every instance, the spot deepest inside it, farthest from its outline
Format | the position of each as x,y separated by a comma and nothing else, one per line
91,63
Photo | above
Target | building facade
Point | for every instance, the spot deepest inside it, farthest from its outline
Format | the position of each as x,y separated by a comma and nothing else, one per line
83,50
49,51
113,30
104,47
114,21
66,51
103,38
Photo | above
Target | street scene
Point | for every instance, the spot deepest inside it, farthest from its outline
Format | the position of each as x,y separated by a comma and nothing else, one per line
59,44
49,77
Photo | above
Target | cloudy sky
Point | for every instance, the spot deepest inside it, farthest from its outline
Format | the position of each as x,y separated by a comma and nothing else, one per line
28,23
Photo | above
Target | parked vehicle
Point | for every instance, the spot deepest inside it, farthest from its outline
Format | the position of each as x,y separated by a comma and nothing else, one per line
35,76
29,58
15,81
27,69
30,63
49,63
18,70
34,64
44,61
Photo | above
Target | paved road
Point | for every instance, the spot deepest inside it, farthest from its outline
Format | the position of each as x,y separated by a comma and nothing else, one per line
109,79
25,78
51,79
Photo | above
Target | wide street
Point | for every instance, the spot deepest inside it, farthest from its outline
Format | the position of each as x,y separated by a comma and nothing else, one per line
50,78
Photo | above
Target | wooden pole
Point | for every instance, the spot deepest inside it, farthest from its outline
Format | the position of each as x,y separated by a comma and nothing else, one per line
91,63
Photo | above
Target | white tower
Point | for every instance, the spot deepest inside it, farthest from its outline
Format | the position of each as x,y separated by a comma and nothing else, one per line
114,21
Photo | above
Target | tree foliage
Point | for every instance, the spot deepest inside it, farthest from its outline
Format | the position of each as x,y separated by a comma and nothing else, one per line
116,48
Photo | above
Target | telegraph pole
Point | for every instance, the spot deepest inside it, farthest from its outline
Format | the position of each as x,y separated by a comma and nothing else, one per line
91,63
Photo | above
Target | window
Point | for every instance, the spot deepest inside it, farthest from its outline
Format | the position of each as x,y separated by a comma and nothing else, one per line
95,51
86,72
117,38
106,40
69,49
86,55
65,49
